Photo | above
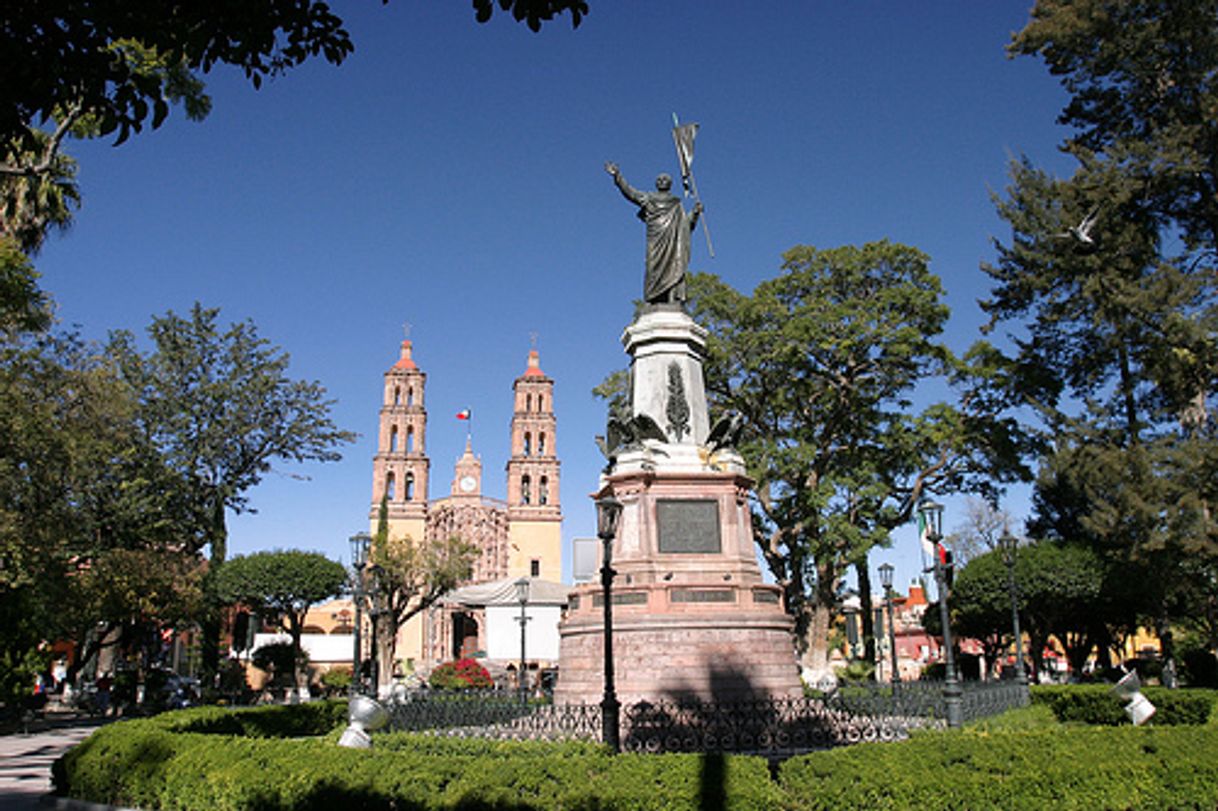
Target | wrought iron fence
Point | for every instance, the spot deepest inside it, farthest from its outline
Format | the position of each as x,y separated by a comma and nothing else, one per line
982,699
924,699
492,714
774,727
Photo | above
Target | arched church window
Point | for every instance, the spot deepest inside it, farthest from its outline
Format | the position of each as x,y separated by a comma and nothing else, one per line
410,396
541,444
393,439
528,443
390,487
397,395
543,491
524,489
528,402
541,402
410,487
410,439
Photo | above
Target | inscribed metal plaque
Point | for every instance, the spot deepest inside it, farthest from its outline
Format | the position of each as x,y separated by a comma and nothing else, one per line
703,596
688,526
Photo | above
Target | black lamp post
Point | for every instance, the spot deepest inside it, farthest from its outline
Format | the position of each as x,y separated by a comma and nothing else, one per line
886,580
1009,542
608,512
359,558
932,514
522,597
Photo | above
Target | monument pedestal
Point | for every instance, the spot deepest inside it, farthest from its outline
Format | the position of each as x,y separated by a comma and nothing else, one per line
691,615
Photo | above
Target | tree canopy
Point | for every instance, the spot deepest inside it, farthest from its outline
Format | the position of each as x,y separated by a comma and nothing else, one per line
1108,287
822,362
219,407
281,585
122,63
408,577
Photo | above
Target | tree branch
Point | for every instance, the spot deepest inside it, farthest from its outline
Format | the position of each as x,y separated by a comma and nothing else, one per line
49,154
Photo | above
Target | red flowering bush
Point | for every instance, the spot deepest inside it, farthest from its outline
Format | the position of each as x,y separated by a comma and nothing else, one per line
463,674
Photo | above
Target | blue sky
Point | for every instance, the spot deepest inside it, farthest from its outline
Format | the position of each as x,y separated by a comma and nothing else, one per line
449,175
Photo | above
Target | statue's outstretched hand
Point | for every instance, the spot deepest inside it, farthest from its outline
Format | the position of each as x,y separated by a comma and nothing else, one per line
611,168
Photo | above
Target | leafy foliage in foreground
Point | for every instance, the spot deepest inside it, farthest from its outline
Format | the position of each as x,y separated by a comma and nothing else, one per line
209,758
1095,704
1055,767
199,759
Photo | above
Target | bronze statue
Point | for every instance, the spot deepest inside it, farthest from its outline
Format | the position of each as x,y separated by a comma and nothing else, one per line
668,230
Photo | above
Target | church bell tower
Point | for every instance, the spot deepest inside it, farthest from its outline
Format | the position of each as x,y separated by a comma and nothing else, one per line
534,507
400,467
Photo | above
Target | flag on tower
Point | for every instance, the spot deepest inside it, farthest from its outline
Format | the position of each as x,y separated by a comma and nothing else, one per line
463,414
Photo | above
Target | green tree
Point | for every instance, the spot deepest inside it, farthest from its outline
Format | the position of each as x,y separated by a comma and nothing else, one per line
121,64
280,586
1115,330
1058,587
822,363
408,577
78,485
91,68
220,408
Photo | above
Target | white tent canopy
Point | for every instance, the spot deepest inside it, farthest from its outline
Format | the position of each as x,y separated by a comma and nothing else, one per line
503,592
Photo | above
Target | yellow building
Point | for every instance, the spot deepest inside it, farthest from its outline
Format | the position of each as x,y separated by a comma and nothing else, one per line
519,537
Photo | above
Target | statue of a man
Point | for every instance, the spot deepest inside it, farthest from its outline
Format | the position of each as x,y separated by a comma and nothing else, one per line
668,230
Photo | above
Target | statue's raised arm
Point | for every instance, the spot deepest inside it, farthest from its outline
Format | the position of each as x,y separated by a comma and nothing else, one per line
668,230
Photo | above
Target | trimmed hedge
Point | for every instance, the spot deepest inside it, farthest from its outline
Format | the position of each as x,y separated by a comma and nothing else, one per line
1058,768
1096,704
170,762
211,758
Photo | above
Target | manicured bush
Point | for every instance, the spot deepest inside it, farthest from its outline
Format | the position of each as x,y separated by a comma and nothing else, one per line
211,758
1096,704
337,681
169,762
1056,767
463,674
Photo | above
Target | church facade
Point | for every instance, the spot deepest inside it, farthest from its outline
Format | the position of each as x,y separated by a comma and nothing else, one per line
517,537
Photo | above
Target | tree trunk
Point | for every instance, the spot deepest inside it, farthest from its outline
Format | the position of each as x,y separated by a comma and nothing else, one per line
815,659
1167,651
386,647
1036,652
211,621
300,679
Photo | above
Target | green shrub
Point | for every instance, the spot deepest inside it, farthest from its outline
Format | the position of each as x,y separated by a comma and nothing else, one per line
1057,767
170,762
1096,704
337,681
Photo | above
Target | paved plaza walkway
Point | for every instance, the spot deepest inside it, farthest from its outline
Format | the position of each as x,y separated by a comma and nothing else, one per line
25,760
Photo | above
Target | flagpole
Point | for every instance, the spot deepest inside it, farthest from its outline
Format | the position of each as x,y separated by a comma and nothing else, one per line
693,184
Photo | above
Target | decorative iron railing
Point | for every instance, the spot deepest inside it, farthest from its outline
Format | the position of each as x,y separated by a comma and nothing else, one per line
492,714
775,727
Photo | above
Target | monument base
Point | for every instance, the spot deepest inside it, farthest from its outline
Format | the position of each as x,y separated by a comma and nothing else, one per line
720,642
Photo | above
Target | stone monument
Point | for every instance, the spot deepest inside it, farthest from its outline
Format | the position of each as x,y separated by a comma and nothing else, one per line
691,615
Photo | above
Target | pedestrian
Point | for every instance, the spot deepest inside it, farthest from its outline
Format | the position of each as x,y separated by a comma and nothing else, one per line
103,694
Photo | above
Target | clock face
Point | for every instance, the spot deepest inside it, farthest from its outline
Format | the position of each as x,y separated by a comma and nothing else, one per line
468,483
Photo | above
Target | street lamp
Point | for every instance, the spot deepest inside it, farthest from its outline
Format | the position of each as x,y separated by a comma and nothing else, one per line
1009,542
522,597
359,557
932,515
886,580
608,512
